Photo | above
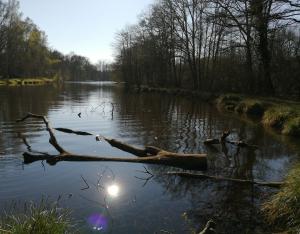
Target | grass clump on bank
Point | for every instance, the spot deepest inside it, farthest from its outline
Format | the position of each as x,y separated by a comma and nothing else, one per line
277,116
292,127
241,105
251,107
228,101
36,219
283,210
282,116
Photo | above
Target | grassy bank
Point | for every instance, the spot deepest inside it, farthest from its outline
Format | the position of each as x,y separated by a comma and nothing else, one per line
28,81
283,209
33,218
282,116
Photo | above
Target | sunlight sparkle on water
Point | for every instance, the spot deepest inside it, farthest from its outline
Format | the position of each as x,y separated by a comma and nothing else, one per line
113,190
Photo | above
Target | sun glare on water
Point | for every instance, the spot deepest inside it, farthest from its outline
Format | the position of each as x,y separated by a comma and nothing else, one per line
113,190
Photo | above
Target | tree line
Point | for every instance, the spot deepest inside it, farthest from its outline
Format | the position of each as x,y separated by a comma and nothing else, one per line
249,46
24,52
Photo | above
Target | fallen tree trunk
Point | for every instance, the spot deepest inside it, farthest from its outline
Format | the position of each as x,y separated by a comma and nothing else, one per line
219,178
147,151
150,154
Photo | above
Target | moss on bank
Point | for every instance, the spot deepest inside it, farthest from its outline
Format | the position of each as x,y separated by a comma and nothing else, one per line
44,218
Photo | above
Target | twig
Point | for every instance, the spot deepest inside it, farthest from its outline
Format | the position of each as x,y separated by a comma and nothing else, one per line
28,146
24,140
52,139
87,185
145,179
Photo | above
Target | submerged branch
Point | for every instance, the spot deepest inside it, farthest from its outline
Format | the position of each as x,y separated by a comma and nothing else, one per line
219,178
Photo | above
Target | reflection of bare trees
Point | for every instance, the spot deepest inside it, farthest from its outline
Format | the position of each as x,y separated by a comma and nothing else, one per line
182,125
235,208
16,101
147,176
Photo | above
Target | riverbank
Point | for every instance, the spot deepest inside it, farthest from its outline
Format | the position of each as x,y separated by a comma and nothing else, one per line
283,116
36,81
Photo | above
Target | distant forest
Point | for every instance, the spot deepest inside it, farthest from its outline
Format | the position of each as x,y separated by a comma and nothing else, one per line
245,46
24,52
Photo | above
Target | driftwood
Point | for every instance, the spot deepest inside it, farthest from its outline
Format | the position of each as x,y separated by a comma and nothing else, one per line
150,154
218,178
223,139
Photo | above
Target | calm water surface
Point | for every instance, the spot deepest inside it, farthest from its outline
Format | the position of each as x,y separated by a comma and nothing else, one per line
119,197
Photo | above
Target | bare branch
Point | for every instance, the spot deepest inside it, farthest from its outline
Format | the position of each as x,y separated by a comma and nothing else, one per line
52,139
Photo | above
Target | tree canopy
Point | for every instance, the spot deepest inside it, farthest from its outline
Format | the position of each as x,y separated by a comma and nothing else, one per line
24,51
250,46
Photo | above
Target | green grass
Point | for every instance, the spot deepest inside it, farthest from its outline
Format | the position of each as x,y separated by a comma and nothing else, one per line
42,218
283,209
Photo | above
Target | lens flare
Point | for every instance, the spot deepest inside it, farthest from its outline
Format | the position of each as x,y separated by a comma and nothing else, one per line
113,190
98,222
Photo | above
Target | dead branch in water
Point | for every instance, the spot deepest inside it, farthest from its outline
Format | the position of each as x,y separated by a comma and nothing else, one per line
219,178
223,140
149,154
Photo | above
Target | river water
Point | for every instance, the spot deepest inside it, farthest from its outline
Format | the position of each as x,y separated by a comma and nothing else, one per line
113,197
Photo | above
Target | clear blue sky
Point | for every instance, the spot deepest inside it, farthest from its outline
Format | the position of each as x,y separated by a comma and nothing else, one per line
86,27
